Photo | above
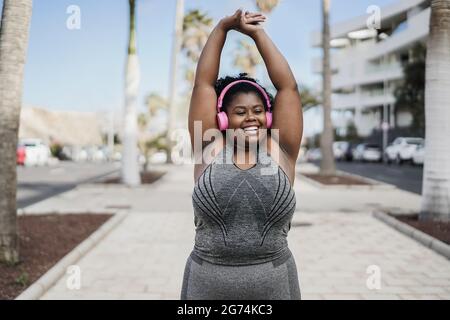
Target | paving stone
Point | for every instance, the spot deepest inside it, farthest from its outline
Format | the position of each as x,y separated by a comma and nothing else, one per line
341,296
420,297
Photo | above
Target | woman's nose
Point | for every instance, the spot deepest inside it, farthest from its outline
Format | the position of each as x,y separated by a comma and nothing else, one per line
250,116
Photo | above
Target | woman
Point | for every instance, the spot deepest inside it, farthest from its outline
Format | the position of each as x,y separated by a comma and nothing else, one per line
243,212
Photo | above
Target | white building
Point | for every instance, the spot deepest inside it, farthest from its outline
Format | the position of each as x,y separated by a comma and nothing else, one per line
367,63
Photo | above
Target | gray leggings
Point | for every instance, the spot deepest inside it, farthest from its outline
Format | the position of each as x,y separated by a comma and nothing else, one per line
275,280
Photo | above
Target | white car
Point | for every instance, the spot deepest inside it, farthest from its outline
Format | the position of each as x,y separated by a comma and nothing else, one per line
338,149
372,153
314,154
99,155
158,158
402,149
342,151
81,155
367,152
419,155
37,153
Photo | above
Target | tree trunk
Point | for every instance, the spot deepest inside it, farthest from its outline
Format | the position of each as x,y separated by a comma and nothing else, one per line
130,165
436,173
13,47
327,165
176,48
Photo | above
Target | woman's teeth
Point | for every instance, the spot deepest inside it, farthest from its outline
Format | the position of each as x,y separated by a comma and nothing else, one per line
251,130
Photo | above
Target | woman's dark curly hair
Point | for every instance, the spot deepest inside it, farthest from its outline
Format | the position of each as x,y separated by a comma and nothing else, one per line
239,88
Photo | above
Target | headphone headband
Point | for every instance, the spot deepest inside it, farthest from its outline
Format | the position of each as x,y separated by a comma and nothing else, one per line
224,91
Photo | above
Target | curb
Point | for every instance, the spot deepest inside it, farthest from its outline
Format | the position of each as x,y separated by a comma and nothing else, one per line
62,212
373,183
428,241
121,186
46,281
376,183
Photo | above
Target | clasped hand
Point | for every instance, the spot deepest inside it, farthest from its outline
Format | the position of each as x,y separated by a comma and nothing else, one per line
245,22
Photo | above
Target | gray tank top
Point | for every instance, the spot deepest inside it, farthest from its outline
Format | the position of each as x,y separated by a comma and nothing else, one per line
242,217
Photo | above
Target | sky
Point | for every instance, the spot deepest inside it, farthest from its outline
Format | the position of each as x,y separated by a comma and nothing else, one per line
83,69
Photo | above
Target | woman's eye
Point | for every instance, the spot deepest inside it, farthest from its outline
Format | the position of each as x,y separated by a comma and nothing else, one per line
258,111
241,113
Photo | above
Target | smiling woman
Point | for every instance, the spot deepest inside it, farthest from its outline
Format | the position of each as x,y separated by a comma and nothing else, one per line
243,104
243,209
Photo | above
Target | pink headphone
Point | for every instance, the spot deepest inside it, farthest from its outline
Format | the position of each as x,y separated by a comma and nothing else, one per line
222,118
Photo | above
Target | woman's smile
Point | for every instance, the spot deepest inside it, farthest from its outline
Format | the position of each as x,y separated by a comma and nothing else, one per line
251,131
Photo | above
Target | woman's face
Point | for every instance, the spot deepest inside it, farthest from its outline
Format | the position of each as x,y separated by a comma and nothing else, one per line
246,115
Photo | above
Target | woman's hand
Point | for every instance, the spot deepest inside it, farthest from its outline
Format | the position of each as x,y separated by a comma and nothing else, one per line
247,23
231,22
250,23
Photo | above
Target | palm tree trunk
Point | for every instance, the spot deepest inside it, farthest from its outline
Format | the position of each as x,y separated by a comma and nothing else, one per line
130,165
13,47
176,48
436,174
327,165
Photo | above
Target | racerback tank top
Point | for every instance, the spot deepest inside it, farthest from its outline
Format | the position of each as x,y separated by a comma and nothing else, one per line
242,217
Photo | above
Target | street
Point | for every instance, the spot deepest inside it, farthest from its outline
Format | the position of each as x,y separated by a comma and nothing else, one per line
38,183
405,177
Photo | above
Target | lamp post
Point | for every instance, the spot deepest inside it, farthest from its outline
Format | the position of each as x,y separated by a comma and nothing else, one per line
385,123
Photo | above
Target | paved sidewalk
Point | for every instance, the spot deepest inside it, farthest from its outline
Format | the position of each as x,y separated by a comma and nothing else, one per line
334,239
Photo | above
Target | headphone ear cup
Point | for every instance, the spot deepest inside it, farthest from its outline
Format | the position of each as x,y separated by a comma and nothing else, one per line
222,121
269,120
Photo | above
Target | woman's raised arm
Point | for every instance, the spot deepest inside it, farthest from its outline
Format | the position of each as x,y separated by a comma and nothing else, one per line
204,97
287,114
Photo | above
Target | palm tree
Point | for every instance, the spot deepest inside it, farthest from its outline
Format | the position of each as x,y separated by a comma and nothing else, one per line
155,103
247,57
436,174
14,31
196,29
176,48
130,166
327,165
248,61
267,6
308,98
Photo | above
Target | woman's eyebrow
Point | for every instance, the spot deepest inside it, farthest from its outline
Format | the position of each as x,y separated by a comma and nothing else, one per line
244,107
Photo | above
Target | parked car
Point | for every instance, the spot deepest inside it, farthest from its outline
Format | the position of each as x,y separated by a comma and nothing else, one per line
418,157
99,155
313,154
358,152
402,149
117,156
367,152
37,153
158,157
342,150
